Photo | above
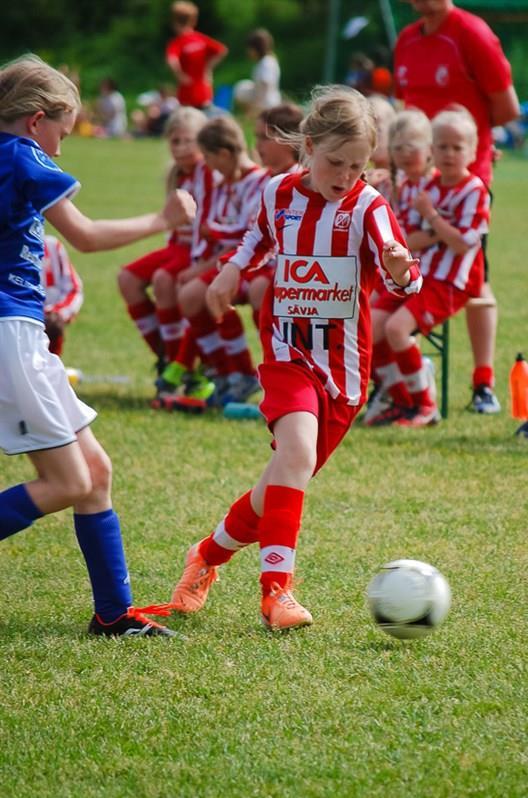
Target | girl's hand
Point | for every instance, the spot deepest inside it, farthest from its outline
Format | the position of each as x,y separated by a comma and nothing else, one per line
422,203
180,209
223,290
398,260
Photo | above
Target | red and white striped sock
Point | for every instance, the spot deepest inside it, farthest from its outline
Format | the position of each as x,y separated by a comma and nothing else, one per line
144,317
237,530
209,341
188,352
172,327
384,366
235,344
278,532
415,376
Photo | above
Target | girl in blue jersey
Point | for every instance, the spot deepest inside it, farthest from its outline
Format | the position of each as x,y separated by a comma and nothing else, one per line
40,415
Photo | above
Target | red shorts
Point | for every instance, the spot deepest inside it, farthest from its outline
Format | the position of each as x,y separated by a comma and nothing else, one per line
436,302
292,388
208,276
172,259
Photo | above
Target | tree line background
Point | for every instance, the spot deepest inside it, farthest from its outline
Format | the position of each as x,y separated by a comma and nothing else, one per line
125,39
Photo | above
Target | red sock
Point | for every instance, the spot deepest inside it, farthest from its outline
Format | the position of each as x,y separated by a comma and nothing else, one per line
483,375
278,532
171,327
187,349
385,369
209,341
144,316
237,530
415,376
235,343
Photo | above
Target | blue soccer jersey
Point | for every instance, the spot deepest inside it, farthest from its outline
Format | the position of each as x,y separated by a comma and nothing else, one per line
30,183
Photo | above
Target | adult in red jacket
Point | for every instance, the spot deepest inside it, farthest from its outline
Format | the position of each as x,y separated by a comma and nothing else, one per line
192,57
451,57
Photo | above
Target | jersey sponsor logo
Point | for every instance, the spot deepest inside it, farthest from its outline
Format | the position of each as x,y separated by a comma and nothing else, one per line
43,160
315,335
285,218
325,287
442,75
37,230
342,220
16,279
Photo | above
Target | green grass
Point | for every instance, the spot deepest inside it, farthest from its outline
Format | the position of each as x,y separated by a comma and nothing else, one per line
338,710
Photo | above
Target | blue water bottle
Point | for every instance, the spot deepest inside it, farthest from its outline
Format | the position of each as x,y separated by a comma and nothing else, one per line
240,410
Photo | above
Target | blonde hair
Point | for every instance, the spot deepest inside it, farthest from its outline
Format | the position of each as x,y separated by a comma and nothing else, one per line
186,116
222,133
28,85
184,13
413,125
461,120
337,114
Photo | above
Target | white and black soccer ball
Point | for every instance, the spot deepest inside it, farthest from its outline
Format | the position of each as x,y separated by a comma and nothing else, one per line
408,598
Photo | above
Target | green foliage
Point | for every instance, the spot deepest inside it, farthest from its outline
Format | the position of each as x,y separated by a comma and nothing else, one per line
336,711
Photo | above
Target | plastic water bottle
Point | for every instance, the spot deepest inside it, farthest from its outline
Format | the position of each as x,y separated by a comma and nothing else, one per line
240,410
519,388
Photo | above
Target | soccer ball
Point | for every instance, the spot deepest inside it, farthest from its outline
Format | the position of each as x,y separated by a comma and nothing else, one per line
408,598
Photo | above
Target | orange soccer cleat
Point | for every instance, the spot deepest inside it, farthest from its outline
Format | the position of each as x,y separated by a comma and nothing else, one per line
281,610
190,594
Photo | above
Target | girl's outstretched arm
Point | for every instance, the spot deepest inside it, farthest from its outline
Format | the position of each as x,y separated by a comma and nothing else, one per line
89,235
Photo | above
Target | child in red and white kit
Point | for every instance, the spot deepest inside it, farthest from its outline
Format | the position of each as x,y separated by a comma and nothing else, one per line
409,144
330,232
64,292
451,216
161,324
223,347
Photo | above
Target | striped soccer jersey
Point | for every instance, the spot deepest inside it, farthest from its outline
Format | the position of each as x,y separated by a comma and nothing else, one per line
233,207
64,290
327,257
406,194
466,206
199,183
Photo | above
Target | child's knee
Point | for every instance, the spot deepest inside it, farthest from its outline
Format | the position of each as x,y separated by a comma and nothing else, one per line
100,467
299,460
162,282
192,298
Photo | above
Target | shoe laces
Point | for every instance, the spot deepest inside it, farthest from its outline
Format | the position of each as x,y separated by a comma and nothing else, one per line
284,595
140,613
205,576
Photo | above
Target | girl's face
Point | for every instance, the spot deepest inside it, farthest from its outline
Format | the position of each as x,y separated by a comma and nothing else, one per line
183,147
222,160
274,156
50,132
334,171
411,155
452,153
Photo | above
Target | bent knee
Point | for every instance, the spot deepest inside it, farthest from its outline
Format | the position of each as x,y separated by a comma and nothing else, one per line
100,468
191,298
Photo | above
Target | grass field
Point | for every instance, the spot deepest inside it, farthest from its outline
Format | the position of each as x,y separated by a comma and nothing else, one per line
338,710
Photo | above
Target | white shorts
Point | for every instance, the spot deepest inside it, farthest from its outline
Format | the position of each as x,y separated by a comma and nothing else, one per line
38,407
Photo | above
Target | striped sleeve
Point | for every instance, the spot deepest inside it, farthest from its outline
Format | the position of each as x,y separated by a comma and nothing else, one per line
258,244
67,282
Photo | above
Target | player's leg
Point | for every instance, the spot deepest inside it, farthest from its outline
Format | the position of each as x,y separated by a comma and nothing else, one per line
133,281
481,320
172,326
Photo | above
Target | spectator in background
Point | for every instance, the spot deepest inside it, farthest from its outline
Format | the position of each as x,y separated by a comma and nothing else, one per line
266,72
192,57
359,74
451,57
111,110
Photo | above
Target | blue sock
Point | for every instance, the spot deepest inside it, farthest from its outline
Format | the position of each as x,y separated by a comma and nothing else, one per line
17,510
99,536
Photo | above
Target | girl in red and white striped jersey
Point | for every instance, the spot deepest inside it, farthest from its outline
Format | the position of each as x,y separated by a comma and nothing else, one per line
161,325
410,141
330,232
64,292
234,202
451,214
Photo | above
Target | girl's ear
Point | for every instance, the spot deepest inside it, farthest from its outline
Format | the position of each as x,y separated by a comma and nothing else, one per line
33,120
308,145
